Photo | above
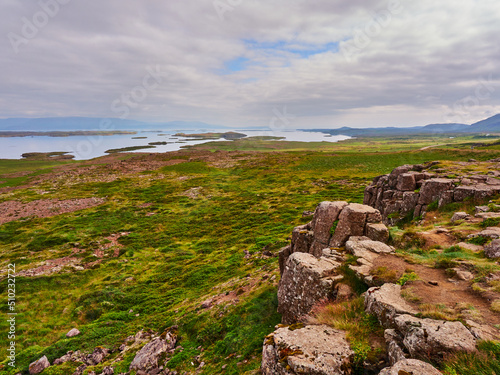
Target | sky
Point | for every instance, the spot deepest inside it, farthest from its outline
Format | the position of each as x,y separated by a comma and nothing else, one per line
241,63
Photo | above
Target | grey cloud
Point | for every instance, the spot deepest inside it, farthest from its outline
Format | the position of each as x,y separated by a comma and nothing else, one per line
429,56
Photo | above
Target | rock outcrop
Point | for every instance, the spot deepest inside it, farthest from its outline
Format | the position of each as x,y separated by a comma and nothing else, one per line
147,358
306,280
410,367
409,189
333,223
433,339
312,350
409,336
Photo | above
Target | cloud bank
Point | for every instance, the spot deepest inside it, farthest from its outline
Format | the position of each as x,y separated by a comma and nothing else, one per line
327,63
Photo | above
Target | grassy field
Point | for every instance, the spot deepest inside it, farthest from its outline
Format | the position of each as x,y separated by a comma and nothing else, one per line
187,232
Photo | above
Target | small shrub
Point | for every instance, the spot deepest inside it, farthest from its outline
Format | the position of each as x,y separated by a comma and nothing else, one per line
412,276
334,226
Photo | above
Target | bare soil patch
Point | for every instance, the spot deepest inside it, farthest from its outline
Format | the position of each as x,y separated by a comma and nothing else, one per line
15,210
434,287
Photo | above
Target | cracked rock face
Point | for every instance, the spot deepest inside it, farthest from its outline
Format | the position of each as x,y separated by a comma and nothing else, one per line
333,223
311,350
429,338
306,280
409,189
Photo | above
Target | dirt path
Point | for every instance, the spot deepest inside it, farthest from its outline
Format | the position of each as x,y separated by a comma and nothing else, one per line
428,147
447,292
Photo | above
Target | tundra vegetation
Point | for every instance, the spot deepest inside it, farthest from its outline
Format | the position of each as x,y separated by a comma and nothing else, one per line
190,238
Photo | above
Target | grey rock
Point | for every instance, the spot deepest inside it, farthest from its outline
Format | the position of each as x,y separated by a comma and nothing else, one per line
352,222
488,215
459,216
366,251
406,182
283,255
97,356
432,189
432,339
470,246
377,232
147,358
386,304
324,216
302,238
39,365
72,333
410,367
305,281
490,232
108,370
394,343
312,350
492,250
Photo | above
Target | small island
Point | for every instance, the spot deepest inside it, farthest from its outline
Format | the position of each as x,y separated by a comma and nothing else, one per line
203,136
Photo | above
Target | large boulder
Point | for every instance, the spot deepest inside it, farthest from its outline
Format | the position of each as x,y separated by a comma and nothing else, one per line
433,339
147,358
410,367
386,304
352,221
306,280
492,250
39,365
311,350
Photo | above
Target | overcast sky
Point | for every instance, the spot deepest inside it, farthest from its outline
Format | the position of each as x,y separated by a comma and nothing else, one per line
293,63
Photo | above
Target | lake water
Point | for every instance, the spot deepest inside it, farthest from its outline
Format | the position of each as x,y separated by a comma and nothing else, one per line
89,147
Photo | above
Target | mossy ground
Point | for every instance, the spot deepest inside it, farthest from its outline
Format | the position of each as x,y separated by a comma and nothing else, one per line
179,250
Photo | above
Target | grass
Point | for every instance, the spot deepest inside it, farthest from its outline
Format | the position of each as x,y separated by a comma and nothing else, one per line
485,362
362,329
177,251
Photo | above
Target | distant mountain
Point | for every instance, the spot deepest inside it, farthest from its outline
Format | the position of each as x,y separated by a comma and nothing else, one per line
489,125
91,123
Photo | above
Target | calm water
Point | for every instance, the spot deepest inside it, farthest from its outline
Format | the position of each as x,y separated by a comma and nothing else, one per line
88,147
